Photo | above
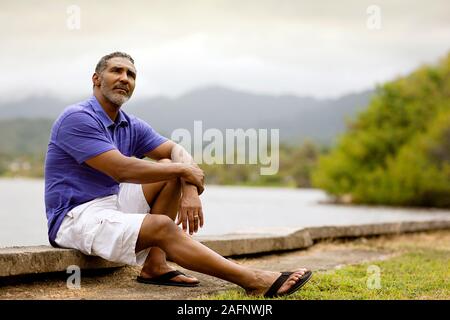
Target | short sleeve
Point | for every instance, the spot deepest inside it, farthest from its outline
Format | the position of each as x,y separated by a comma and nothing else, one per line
147,138
82,137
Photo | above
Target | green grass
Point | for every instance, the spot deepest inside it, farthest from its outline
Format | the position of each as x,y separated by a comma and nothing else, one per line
423,274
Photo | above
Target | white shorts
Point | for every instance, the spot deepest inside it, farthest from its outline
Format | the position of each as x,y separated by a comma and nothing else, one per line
107,227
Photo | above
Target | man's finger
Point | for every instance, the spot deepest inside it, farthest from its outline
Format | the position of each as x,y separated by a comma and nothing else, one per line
180,215
201,217
191,221
196,220
184,219
178,220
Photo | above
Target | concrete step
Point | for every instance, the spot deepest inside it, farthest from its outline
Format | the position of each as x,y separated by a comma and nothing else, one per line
42,259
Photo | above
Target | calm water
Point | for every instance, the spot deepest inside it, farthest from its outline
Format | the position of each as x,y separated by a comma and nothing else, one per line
226,209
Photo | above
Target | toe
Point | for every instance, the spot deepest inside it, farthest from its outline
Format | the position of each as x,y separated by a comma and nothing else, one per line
293,279
185,279
299,273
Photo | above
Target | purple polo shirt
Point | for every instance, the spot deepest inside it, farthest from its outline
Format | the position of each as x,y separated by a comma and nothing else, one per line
81,132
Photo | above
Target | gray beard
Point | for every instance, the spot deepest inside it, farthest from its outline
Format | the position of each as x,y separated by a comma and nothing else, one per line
115,98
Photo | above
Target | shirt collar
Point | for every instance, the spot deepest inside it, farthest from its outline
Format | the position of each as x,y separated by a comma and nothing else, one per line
104,118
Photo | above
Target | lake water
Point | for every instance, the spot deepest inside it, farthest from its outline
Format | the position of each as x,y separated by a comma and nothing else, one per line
227,210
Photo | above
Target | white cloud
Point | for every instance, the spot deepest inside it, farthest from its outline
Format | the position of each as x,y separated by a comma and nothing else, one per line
319,48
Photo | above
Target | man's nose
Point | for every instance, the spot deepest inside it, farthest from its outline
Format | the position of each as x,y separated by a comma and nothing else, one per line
124,77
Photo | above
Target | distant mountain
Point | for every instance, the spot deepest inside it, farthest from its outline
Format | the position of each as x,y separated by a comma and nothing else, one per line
218,108
32,108
322,121
24,136
297,117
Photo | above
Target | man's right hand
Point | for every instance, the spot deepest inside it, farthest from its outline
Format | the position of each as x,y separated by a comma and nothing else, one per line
193,174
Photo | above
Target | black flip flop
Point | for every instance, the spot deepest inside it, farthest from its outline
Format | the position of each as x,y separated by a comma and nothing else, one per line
272,292
165,280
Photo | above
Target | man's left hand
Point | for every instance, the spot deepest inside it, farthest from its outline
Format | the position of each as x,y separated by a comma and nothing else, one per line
190,212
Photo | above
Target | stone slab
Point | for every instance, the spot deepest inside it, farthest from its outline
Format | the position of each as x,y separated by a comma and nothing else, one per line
42,259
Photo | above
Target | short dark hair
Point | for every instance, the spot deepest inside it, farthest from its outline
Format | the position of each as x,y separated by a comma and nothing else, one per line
101,65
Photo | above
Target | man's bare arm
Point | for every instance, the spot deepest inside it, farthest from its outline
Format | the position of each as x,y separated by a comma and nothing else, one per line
127,169
190,212
176,153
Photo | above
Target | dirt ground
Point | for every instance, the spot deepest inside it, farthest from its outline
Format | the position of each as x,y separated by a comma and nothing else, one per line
121,284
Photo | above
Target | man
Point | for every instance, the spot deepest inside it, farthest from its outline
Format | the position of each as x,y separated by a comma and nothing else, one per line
103,199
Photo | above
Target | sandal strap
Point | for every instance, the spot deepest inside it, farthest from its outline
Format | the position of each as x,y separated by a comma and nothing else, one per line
169,275
272,292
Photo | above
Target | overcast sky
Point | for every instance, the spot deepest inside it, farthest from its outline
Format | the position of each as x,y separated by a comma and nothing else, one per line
318,48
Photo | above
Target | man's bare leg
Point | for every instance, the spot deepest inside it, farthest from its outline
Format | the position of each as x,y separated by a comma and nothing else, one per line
162,232
163,198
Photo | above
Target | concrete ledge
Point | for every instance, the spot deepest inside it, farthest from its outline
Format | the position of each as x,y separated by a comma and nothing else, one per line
320,233
41,259
238,244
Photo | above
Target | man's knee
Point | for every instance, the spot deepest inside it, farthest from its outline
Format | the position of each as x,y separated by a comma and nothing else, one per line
152,190
163,224
157,228
175,182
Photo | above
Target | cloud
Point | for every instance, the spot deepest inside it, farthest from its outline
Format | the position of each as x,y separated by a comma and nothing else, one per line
316,48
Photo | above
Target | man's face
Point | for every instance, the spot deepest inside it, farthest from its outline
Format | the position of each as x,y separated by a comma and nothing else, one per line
117,81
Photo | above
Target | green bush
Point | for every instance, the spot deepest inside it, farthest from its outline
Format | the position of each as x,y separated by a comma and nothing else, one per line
397,151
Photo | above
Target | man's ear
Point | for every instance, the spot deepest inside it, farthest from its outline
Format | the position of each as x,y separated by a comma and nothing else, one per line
95,80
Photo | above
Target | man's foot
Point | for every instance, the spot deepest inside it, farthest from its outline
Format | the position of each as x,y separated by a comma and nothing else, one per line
157,272
265,280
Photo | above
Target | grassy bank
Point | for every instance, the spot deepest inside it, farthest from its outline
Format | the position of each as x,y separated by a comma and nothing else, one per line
417,271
